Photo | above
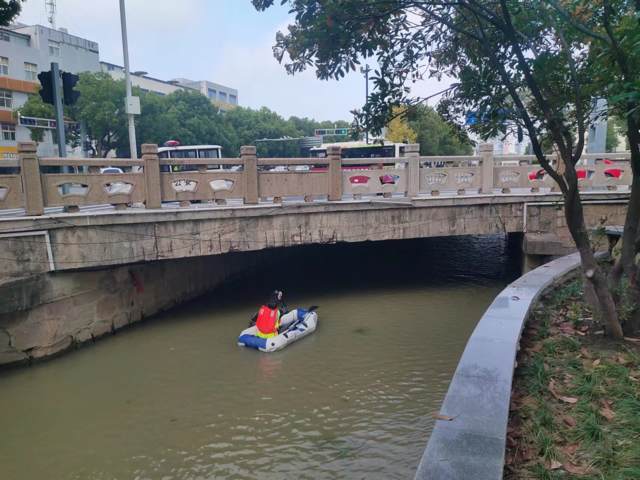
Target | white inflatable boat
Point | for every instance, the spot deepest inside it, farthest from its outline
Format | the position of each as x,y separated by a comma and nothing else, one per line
303,324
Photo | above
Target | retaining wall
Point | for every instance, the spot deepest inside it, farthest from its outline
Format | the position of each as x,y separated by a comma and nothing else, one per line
472,444
49,313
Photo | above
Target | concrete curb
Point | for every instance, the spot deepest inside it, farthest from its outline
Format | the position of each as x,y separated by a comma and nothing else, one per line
472,444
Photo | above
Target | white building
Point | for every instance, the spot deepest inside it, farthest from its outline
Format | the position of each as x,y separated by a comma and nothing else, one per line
141,80
26,51
223,97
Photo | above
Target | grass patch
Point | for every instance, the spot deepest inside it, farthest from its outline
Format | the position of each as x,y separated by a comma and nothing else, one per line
575,411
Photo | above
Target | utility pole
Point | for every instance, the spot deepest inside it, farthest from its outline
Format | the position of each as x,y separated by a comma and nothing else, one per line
132,104
366,71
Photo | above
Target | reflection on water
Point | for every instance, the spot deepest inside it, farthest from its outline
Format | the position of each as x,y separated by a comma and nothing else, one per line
175,398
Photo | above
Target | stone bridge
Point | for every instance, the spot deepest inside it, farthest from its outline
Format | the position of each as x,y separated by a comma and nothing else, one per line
86,253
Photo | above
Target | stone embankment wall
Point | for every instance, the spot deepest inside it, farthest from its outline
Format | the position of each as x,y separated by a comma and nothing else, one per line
49,313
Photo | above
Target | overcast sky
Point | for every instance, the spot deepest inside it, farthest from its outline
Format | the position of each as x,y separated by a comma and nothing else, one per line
224,41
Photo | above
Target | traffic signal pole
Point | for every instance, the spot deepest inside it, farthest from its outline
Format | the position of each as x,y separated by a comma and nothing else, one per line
57,103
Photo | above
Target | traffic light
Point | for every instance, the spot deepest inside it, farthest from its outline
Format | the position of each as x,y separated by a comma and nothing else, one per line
69,95
46,92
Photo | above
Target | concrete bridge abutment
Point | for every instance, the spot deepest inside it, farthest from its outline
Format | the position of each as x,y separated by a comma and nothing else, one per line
49,313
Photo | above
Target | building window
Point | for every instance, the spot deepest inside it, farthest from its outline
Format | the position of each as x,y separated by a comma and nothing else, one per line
4,36
212,93
8,132
30,71
54,49
4,66
223,96
233,99
5,99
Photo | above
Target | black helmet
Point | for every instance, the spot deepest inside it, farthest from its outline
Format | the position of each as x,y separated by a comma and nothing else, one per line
275,298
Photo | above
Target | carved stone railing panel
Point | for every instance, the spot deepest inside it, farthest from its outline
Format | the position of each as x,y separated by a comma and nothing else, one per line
460,179
528,176
11,191
202,186
373,181
70,189
611,176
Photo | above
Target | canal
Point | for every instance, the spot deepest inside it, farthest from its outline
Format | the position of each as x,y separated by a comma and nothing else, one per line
175,398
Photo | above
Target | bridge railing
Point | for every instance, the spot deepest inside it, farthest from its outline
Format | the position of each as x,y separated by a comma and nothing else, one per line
34,183
11,195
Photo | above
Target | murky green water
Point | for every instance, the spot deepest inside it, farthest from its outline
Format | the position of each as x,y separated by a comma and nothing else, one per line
175,398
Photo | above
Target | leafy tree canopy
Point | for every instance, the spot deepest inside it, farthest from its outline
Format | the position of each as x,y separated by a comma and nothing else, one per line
9,9
532,66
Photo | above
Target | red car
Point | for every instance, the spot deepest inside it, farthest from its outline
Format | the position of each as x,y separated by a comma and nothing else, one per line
582,172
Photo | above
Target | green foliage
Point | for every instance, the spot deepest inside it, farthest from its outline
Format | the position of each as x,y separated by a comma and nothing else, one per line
35,107
184,116
435,135
9,9
101,107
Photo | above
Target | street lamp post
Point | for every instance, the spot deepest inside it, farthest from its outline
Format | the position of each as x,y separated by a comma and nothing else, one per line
132,104
366,69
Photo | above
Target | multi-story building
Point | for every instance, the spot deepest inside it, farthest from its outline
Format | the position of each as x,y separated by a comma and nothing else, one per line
141,80
224,97
26,51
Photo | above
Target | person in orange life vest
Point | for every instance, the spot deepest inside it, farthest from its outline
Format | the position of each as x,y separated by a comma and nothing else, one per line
273,317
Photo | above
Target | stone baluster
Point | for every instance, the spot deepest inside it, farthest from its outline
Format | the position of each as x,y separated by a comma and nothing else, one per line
412,153
31,181
334,155
153,196
250,162
486,152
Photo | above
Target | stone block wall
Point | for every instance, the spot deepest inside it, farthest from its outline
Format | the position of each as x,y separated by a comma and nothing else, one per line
50,313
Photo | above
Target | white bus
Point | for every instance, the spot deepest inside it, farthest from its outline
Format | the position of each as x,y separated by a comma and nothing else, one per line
173,149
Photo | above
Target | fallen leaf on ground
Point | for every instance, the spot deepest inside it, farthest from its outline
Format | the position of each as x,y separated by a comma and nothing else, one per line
570,421
535,348
567,328
570,450
633,379
607,413
576,469
571,400
554,465
585,353
439,416
582,334
596,362
622,360
528,453
632,339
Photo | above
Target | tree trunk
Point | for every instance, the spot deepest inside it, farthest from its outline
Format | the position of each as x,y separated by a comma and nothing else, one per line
604,303
626,266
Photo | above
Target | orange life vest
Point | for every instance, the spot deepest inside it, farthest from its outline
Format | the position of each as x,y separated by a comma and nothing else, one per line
268,322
